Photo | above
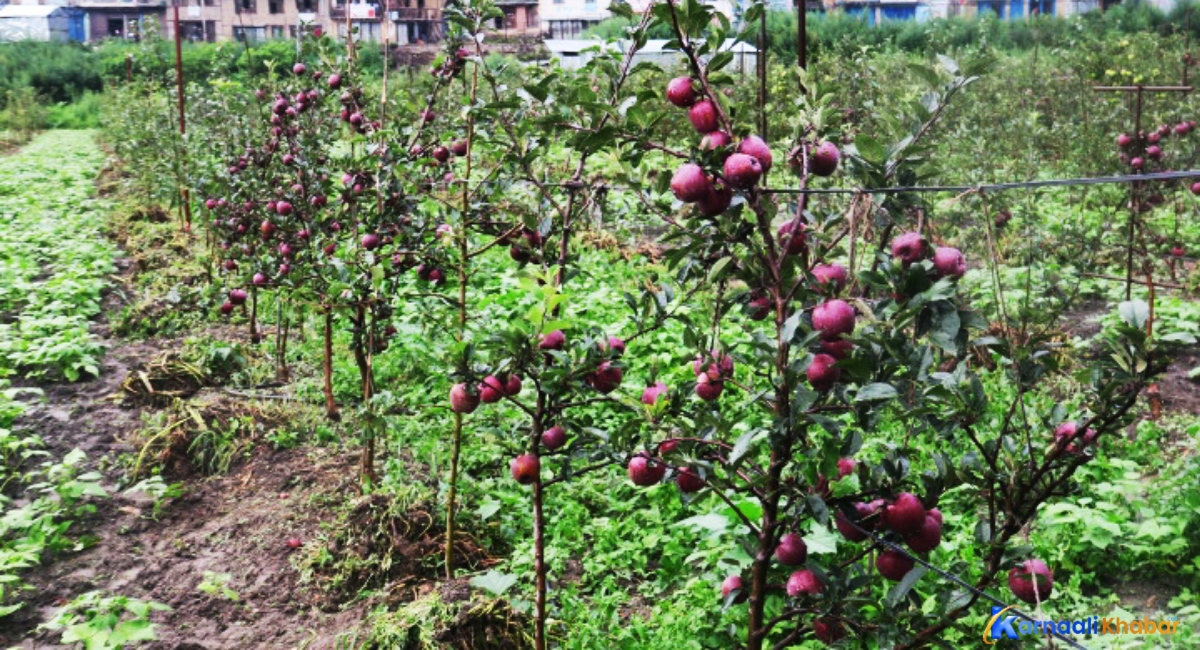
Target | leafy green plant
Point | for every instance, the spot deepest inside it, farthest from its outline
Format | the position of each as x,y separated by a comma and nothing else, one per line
217,585
158,490
104,622
56,261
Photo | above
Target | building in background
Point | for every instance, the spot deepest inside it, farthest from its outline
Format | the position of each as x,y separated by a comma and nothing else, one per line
41,23
568,19
420,22
520,18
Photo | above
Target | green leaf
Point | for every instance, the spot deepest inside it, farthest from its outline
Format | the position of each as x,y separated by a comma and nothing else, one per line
495,582
870,149
905,585
743,445
712,522
1135,313
821,541
720,60
715,273
875,392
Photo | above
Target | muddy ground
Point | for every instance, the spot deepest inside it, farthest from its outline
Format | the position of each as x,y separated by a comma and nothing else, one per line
238,524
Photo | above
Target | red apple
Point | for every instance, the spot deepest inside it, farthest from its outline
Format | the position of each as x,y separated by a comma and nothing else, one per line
715,140
894,565
792,236
829,630
462,400
606,378
652,393
905,515
707,388
554,438
830,277
908,248
757,148
703,116
928,537
716,364
688,480
645,472
552,341
803,583
717,201
949,262
690,183
525,468
760,305
1031,581
823,160
680,92
730,585
742,171
791,551
491,390
821,373
833,318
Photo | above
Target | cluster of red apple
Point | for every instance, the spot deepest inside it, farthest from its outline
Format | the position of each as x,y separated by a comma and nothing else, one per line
452,65
741,169
1140,149
290,215
1143,149
605,378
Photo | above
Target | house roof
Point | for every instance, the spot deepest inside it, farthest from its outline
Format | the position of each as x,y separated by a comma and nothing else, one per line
655,46
573,45
658,46
28,11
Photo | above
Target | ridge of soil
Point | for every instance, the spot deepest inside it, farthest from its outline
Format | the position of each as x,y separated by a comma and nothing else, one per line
236,524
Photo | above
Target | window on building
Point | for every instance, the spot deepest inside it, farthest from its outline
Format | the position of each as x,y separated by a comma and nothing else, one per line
367,31
276,31
275,6
306,6
210,3
249,34
246,6
1043,7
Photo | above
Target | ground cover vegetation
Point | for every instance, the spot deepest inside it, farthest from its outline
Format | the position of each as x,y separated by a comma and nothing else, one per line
523,357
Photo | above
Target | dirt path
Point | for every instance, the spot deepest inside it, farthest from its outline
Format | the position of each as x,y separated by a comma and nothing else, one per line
237,524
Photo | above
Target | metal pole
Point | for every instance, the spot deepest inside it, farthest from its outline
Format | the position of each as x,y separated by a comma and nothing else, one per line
762,75
802,33
186,194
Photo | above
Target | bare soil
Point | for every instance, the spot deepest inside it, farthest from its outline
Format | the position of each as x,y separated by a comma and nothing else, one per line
237,524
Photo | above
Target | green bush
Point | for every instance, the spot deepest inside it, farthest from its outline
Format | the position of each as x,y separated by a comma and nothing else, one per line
57,72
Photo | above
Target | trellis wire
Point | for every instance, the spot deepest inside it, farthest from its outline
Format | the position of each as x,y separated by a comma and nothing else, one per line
960,582
918,189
